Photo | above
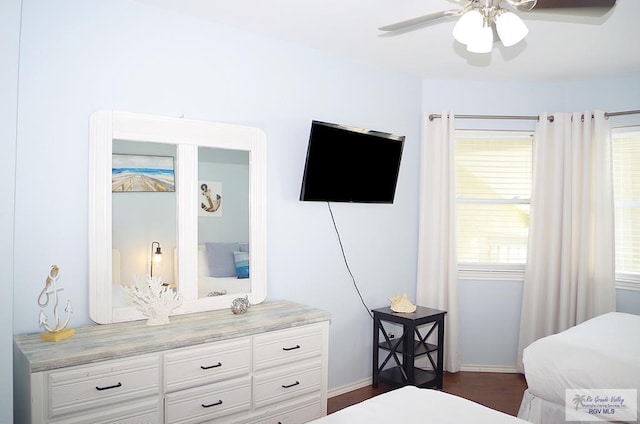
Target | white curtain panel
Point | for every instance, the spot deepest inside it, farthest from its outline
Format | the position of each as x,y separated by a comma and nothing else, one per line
570,274
437,262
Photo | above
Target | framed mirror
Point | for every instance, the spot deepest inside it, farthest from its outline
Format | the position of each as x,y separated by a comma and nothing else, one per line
189,192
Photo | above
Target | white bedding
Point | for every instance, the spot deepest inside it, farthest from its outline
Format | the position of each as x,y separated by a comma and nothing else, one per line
226,285
601,353
410,404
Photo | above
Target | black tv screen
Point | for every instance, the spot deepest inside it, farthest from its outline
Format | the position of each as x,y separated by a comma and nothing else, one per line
348,164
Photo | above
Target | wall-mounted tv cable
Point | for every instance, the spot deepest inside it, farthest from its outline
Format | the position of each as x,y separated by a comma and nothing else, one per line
344,256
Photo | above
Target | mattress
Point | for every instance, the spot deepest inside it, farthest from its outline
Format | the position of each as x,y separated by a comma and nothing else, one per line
410,404
601,353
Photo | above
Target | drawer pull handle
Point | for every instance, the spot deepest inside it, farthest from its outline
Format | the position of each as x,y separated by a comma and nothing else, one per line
109,387
219,364
286,386
291,348
212,404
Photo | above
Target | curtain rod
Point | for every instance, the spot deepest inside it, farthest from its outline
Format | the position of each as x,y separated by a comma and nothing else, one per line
527,118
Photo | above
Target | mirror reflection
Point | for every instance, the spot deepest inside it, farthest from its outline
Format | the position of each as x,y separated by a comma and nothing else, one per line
143,215
223,222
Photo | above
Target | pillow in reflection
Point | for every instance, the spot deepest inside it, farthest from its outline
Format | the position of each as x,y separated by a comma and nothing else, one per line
242,264
220,259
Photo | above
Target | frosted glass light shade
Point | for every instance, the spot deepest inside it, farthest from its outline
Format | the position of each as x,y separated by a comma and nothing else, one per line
482,42
468,26
511,29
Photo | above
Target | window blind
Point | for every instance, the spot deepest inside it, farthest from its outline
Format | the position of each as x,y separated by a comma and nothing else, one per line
626,185
493,195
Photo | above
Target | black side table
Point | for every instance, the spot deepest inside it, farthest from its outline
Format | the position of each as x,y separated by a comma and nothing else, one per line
405,348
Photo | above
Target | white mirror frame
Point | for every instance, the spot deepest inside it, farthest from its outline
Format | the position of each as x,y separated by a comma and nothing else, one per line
187,135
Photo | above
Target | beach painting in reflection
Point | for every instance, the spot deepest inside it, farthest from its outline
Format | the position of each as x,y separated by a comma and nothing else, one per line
135,173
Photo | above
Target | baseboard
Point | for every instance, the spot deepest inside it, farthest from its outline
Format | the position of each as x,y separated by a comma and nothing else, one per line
508,369
337,391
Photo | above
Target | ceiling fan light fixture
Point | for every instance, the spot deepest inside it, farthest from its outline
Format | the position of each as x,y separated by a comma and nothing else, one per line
482,42
468,26
510,28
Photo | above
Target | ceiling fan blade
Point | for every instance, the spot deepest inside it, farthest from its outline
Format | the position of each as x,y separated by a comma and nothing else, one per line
564,4
421,21
561,4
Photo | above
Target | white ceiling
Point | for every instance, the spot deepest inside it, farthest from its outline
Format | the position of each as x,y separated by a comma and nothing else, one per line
559,46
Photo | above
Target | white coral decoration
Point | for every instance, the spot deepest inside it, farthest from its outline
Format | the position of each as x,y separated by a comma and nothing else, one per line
154,300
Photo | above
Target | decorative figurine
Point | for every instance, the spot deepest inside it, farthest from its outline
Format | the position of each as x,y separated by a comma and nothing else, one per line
155,300
59,332
402,304
240,305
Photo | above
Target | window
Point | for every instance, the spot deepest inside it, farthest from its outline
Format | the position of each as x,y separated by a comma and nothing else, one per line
493,196
626,188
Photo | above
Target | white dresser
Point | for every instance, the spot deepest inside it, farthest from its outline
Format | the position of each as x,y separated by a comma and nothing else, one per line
266,366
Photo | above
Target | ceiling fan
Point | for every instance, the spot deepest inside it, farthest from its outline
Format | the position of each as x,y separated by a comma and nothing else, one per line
478,18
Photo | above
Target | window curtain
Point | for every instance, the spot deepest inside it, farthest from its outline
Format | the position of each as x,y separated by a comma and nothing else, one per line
437,285
570,273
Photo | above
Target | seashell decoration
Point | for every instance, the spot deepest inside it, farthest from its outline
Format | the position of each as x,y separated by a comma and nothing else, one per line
240,305
402,304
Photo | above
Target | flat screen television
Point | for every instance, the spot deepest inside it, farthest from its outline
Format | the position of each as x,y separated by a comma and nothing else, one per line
348,164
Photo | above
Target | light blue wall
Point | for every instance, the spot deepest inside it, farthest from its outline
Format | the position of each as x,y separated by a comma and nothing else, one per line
608,94
490,310
489,323
628,301
79,56
9,52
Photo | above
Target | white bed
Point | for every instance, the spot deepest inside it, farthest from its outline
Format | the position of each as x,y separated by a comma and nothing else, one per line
410,404
601,353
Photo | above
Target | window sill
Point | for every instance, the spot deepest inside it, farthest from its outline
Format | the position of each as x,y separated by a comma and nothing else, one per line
516,274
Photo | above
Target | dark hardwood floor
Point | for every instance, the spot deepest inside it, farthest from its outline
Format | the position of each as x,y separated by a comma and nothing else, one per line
499,391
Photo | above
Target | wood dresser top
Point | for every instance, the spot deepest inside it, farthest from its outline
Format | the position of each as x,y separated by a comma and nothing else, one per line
112,341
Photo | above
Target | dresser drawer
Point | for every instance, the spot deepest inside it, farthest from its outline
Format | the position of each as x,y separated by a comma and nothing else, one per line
209,402
146,411
196,366
301,410
285,346
94,386
284,383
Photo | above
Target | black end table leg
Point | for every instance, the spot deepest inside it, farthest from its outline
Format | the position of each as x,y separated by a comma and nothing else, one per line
376,342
